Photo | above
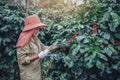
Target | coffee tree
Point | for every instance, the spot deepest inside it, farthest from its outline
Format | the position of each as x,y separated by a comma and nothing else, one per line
11,23
92,55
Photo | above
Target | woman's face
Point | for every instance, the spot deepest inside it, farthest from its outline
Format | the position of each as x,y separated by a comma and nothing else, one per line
36,31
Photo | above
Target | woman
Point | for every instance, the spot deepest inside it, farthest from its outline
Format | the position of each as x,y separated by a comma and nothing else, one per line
30,49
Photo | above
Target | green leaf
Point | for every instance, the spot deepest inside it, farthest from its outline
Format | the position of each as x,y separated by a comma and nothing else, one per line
90,59
99,64
81,26
85,40
82,50
48,78
86,14
68,61
5,28
93,55
7,39
50,26
59,27
117,35
105,17
87,58
11,52
115,18
80,38
111,48
89,65
102,56
58,72
106,36
114,15
75,51
45,64
100,40
108,52
111,27
42,33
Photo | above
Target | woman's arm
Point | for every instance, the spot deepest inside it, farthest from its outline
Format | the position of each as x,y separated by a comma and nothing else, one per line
34,57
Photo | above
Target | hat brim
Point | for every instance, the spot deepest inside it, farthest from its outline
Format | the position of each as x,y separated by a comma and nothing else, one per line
29,27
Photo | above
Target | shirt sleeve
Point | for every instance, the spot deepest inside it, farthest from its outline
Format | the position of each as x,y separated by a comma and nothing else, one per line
43,47
22,55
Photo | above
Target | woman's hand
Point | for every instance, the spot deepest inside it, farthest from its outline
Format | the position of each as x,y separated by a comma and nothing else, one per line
44,53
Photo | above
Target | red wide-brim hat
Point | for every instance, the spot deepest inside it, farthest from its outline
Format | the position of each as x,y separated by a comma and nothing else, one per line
32,22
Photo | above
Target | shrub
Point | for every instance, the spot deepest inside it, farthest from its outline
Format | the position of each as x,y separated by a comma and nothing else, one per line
92,55
11,22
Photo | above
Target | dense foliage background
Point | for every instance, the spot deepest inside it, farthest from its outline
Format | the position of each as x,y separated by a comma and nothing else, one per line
93,55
